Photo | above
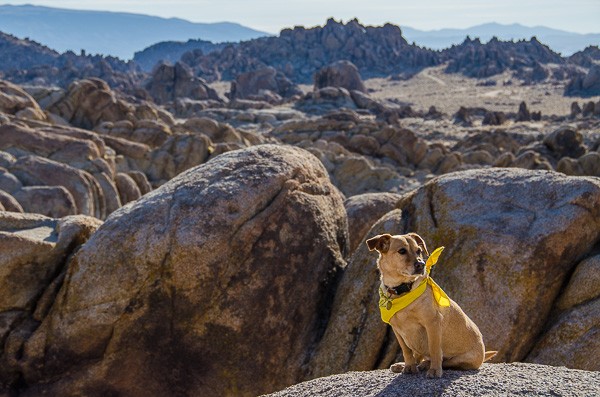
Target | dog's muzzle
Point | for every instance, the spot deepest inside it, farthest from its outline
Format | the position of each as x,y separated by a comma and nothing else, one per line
419,266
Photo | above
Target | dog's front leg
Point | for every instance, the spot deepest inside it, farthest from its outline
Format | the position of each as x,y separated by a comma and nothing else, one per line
410,364
434,340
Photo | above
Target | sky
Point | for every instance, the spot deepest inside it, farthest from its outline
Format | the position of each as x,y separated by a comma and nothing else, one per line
581,16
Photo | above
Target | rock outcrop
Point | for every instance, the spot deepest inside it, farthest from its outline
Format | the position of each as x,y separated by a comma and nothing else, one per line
176,293
342,74
492,379
169,82
265,84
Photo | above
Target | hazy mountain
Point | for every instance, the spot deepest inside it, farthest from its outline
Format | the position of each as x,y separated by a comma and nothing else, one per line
560,41
110,33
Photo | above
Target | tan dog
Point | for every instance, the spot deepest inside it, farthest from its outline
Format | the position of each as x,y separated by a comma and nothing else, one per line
431,335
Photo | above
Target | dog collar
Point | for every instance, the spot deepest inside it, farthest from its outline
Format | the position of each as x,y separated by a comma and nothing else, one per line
388,306
399,289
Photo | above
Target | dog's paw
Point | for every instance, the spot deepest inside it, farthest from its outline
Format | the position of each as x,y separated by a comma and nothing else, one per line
434,373
410,369
424,365
397,368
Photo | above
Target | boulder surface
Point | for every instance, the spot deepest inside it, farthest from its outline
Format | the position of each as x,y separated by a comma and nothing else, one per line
214,284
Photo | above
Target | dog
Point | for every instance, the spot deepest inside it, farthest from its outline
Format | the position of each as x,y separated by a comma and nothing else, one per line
432,330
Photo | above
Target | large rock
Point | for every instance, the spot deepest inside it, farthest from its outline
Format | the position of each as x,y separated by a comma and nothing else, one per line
511,237
21,140
52,201
490,380
14,100
90,102
170,82
343,74
213,284
261,84
38,171
364,210
33,252
573,338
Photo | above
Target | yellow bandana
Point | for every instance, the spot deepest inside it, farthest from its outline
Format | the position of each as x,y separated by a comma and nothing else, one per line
388,307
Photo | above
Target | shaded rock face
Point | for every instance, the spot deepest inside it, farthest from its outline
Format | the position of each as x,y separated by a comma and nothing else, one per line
511,239
33,252
342,74
364,210
585,85
262,84
573,336
220,287
169,82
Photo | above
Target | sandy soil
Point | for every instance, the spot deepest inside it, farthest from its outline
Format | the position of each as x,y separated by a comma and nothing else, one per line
447,92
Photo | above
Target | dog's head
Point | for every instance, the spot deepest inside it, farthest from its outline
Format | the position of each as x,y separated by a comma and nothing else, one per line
401,257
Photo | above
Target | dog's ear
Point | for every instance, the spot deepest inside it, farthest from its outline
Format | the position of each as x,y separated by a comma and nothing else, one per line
380,243
420,242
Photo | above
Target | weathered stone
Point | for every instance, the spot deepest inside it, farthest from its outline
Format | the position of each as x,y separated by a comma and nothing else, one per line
90,102
47,143
364,210
109,191
37,171
572,340
160,314
141,181
127,188
8,182
169,82
14,100
484,217
566,142
9,203
33,249
261,84
342,74
52,201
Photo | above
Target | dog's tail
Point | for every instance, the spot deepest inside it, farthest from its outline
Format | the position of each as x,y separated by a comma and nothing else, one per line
489,355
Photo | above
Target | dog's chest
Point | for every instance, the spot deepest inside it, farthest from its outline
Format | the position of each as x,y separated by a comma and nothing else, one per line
412,332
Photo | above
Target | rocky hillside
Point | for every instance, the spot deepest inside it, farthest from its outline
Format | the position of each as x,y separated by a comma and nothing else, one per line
298,52
474,59
492,379
171,52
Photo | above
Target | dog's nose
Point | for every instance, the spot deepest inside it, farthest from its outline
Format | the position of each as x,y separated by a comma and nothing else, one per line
419,266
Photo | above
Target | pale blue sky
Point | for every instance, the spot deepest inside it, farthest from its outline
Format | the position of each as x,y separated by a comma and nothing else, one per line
582,16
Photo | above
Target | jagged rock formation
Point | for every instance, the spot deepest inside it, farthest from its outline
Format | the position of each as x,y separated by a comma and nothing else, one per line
169,83
299,52
27,62
171,52
474,59
585,85
264,85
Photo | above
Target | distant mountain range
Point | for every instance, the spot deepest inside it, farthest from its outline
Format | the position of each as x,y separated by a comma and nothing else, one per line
560,41
123,34
110,33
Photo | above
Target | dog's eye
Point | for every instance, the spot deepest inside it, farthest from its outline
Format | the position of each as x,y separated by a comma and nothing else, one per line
419,251
402,251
